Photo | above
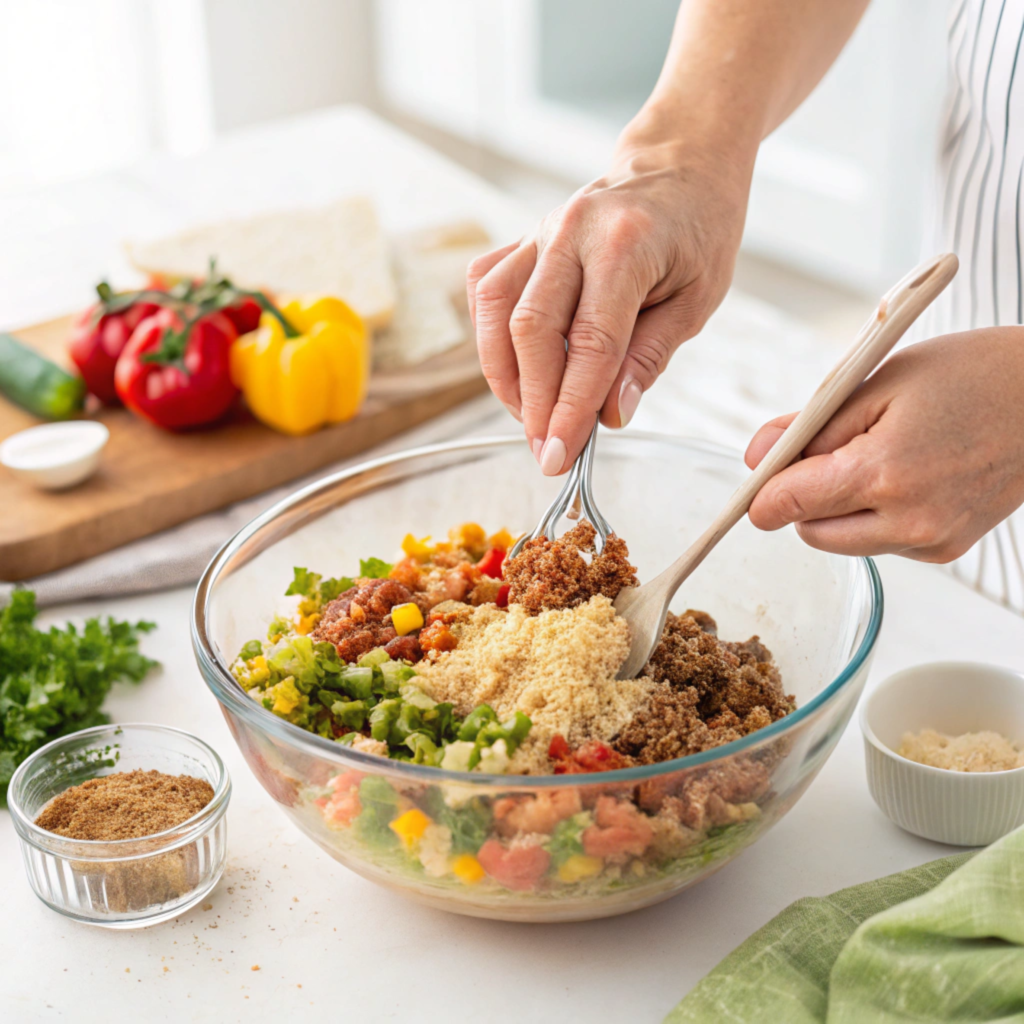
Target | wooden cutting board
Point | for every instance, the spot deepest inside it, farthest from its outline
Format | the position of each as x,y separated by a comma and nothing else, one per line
150,480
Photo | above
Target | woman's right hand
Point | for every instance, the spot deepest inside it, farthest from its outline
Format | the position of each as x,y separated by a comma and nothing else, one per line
626,271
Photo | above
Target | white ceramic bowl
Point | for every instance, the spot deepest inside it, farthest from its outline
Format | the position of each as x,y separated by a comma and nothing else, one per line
953,697
55,455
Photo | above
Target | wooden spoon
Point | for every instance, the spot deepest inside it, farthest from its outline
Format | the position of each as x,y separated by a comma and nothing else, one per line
645,608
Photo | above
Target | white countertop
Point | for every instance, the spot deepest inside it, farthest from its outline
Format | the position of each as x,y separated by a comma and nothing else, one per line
336,947
328,944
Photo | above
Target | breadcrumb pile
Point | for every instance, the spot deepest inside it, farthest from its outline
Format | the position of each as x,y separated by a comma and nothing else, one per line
971,752
558,667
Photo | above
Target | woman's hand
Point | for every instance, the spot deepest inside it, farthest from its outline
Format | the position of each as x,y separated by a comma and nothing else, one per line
626,271
925,458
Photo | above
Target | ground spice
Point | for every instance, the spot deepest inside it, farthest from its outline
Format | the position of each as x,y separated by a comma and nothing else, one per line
125,805
549,574
558,667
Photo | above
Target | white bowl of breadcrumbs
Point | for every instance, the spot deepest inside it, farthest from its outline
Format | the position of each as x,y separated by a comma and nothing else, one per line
944,750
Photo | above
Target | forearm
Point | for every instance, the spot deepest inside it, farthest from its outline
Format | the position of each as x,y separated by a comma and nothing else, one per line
736,69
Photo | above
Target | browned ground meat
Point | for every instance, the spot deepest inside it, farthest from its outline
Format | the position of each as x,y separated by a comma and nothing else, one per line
359,620
709,693
554,574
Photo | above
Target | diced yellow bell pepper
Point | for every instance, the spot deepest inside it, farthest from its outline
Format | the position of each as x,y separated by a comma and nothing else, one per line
311,373
579,867
259,671
418,549
307,623
287,696
409,827
406,617
502,539
470,536
467,869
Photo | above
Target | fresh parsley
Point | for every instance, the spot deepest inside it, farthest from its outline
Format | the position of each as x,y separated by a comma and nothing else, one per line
53,682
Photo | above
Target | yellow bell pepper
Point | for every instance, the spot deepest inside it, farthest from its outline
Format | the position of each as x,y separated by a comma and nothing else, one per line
468,869
406,617
310,370
409,827
420,549
579,867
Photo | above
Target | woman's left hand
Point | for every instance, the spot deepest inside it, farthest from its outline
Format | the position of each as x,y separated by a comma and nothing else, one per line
922,460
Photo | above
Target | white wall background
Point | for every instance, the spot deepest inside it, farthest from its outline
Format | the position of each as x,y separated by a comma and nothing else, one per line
840,190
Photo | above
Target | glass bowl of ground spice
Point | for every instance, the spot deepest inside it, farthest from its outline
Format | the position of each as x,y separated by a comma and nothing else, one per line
122,826
403,754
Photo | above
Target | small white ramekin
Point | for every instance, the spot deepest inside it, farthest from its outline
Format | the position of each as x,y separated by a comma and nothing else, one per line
960,808
55,456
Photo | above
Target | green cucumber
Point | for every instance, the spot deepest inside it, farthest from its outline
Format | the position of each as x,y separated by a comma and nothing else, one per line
36,384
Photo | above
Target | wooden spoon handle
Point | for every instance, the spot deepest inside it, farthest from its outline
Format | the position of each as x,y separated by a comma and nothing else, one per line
896,311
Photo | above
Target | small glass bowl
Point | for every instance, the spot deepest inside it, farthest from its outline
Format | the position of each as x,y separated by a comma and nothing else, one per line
129,883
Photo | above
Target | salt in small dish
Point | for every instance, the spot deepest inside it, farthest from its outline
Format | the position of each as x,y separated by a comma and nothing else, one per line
55,456
955,807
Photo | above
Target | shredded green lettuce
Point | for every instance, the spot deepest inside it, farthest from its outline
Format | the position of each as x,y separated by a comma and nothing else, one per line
374,568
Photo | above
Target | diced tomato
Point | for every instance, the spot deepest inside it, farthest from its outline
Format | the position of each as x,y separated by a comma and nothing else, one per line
592,756
407,572
540,813
437,637
345,781
598,757
491,563
501,600
558,748
517,867
619,830
342,807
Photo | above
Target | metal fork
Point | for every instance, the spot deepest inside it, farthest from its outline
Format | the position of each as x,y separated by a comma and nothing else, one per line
574,498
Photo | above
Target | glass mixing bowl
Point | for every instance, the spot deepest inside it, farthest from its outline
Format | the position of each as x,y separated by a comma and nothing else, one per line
426,832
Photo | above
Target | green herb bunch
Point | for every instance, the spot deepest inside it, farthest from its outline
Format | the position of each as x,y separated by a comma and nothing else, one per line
53,682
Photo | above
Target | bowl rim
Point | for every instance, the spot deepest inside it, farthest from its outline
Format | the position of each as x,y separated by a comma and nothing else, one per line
177,835
894,680
230,695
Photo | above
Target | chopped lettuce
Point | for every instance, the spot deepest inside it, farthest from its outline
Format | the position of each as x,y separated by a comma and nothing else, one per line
313,586
483,732
380,807
253,649
374,568
294,656
424,749
469,823
567,839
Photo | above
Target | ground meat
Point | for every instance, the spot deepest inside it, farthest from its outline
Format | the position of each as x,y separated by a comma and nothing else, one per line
405,648
709,796
554,574
359,620
709,693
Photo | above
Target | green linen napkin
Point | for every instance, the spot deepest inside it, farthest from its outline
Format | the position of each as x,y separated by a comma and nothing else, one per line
940,942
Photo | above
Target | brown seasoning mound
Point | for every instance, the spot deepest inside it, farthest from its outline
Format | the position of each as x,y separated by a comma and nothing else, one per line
125,805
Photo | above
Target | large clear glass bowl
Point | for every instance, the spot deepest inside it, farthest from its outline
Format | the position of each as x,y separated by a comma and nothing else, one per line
819,614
